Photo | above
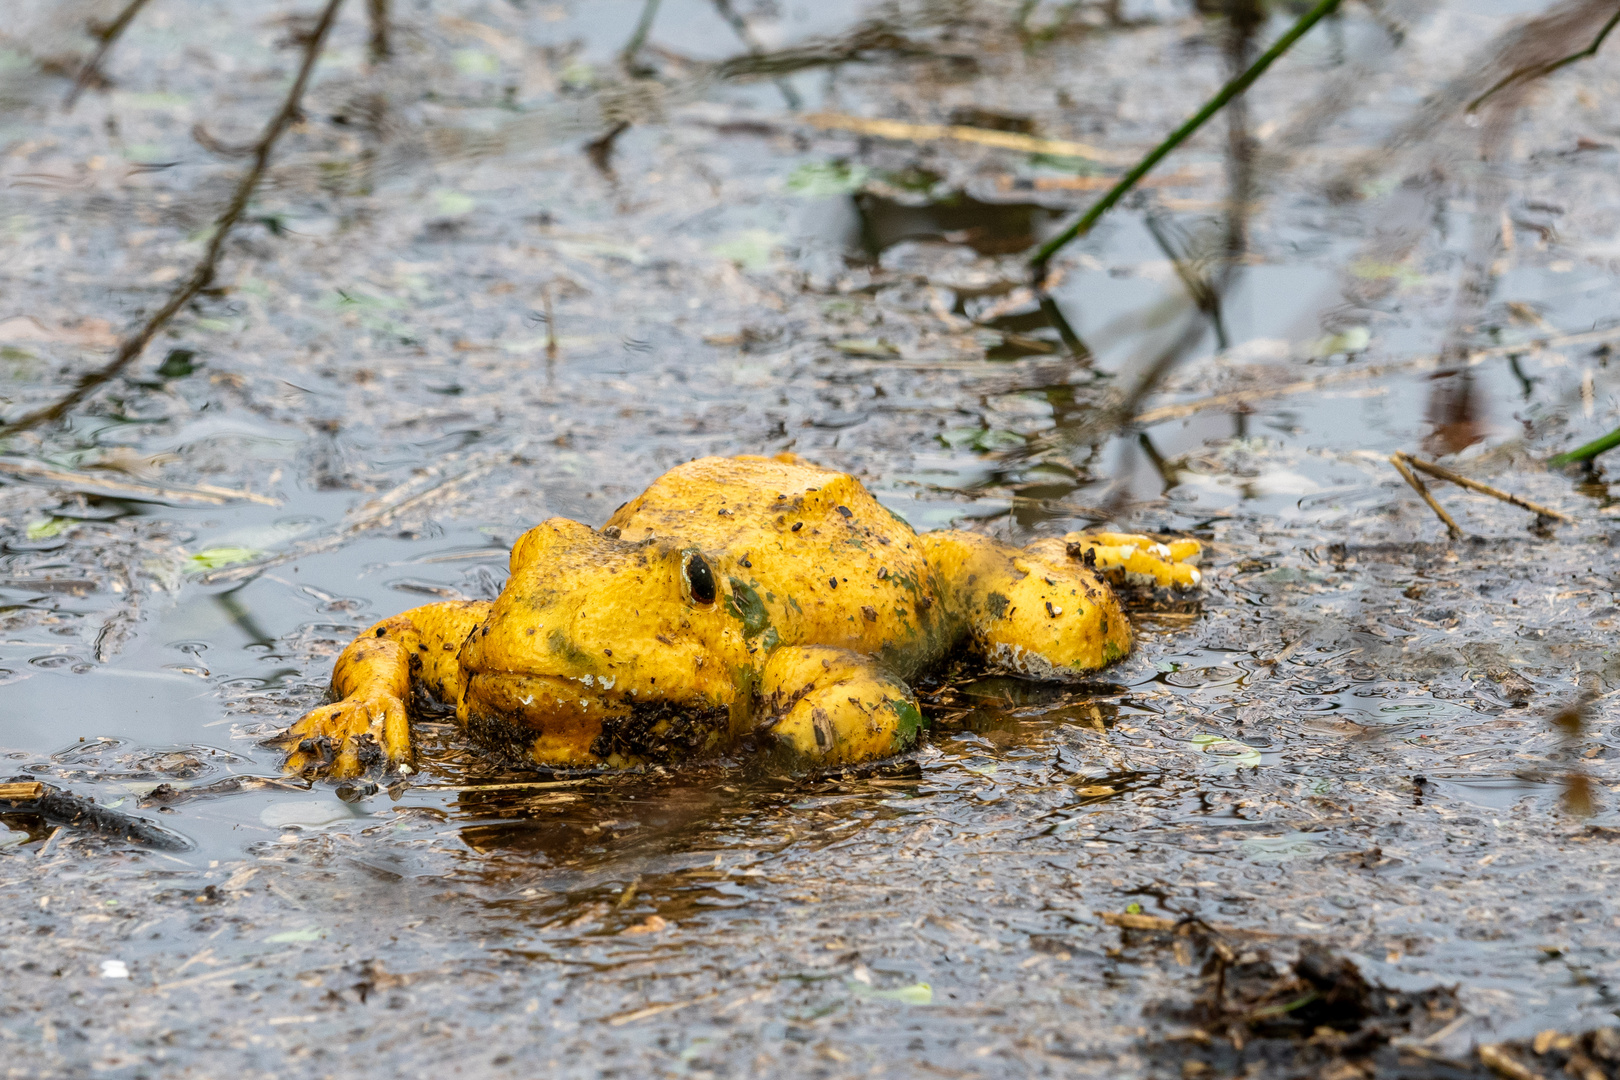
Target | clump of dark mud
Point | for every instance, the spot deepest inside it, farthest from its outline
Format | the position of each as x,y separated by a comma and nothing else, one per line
1320,1017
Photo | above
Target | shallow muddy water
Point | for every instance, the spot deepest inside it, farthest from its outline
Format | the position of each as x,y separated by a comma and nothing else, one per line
446,320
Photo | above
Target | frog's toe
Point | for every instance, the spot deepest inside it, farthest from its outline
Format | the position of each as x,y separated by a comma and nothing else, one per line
1135,559
354,736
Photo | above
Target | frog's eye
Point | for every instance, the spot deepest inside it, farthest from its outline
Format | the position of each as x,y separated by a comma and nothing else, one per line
699,578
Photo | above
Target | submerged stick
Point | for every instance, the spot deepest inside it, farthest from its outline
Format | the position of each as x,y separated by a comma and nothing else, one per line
109,36
745,34
1183,178
1538,71
1460,480
1180,135
133,345
1452,528
21,793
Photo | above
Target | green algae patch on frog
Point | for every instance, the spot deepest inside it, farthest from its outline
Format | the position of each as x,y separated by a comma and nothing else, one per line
618,646
746,606
557,641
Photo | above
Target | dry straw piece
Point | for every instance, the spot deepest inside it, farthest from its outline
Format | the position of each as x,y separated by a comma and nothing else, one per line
901,131
1398,460
1404,464
1430,362
1440,472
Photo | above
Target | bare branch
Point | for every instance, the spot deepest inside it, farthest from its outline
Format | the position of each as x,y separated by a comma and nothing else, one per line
1542,70
109,35
133,345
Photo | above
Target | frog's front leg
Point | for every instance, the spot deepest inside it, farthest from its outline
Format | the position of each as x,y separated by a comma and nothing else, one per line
368,725
826,706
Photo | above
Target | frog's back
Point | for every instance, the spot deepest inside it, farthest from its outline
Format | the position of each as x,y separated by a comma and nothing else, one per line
714,502
810,556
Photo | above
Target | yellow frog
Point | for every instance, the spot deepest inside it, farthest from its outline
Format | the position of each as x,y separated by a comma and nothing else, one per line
737,601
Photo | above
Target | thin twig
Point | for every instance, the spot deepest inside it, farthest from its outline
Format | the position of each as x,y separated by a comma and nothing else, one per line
377,14
1373,371
638,37
1158,153
1460,480
1422,489
374,515
551,322
745,34
93,484
1183,178
901,131
1537,71
109,36
1261,393
136,343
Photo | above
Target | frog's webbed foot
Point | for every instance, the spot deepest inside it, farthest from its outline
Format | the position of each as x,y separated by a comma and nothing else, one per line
368,730
826,706
1134,559
359,735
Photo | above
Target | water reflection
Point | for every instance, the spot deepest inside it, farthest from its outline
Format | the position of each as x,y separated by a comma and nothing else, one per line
1454,413
989,228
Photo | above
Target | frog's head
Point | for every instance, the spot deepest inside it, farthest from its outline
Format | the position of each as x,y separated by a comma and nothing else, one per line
598,645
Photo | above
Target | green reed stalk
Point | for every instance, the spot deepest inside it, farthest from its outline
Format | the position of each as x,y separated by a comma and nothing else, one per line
1157,154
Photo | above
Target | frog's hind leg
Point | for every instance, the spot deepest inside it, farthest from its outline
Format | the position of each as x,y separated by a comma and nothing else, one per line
1031,611
826,706
368,726
1134,559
